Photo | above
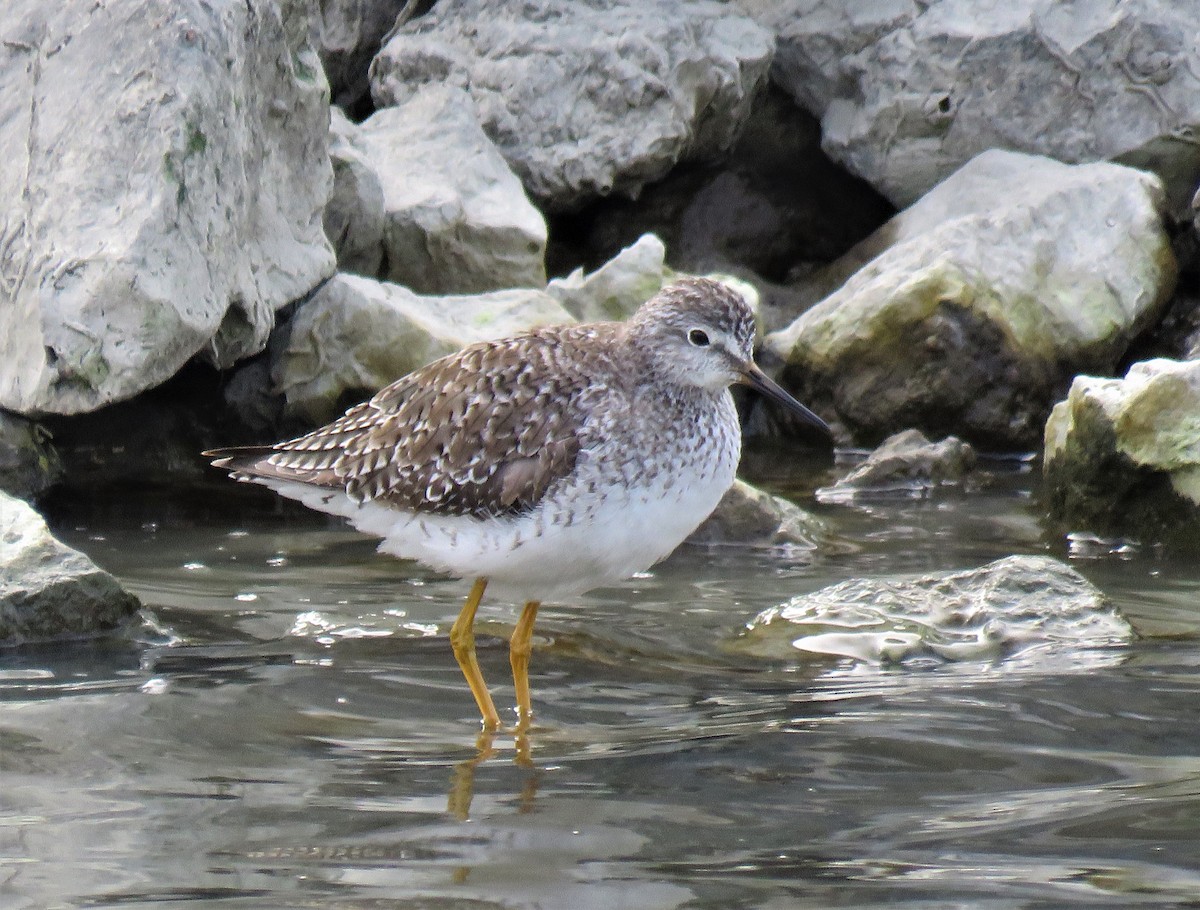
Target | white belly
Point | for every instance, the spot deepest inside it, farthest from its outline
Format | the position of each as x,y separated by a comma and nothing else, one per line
571,543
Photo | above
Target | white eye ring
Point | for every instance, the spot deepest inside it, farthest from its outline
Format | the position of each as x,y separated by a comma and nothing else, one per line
699,338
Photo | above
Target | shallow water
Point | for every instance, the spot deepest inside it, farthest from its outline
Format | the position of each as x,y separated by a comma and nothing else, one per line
293,732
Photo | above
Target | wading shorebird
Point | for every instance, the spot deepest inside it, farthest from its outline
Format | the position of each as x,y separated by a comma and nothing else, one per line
541,465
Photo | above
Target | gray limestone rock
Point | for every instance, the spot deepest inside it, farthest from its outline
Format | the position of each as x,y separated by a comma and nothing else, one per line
587,97
456,219
617,288
970,312
356,335
749,517
354,215
47,589
908,92
350,33
907,464
1123,455
164,166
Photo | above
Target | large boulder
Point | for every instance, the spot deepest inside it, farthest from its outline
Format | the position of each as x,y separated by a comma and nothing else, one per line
47,589
908,92
1123,455
976,306
163,165
456,220
587,97
356,335
1031,612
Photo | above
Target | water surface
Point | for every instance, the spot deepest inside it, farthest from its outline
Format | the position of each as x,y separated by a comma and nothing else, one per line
292,730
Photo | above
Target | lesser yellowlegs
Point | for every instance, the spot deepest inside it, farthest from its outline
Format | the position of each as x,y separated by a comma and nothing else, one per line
543,465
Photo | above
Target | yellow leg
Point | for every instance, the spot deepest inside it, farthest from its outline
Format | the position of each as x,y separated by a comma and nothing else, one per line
462,639
519,648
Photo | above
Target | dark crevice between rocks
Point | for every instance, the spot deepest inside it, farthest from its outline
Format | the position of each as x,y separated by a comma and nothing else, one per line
775,206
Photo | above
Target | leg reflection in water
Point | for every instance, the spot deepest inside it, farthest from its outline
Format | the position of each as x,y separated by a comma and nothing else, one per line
462,783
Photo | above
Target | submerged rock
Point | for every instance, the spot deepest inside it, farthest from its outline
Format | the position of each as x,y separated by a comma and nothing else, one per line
587,97
748,516
47,589
970,312
1123,455
356,335
907,464
456,219
1026,611
908,92
164,168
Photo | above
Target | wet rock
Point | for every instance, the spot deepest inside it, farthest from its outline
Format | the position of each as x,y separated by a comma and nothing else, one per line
456,219
47,589
909,92
29,463
1026,611
165,166
350,33
615,290
970,312
1123,455
587,97
354,215
356,335
748,516
907,464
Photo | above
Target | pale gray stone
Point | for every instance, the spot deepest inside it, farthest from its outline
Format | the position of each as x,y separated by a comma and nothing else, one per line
456,219
616,289
357,335
970,312
1123,455
907,464
909,91
587,97
749,517
350,34
164,168
354,216
47,589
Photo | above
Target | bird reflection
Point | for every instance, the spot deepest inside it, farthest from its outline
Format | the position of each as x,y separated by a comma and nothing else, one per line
462,782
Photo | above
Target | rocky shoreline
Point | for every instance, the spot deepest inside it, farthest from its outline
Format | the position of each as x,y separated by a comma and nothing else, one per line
200,247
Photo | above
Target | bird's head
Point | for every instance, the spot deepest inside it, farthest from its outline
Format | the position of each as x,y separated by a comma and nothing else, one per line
700,332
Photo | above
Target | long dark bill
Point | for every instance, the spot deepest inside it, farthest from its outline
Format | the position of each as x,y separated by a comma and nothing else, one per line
761,383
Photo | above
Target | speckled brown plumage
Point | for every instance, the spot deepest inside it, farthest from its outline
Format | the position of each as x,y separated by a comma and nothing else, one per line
483,432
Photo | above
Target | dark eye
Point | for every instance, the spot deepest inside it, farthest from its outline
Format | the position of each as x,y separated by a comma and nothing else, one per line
698,337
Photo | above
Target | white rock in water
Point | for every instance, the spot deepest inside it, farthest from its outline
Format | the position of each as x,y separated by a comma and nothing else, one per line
456,218
1031,612
47,589
164,167
1124,454
970,312
587,97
